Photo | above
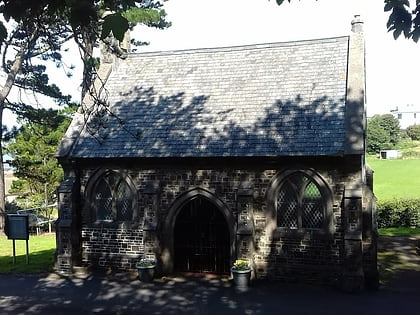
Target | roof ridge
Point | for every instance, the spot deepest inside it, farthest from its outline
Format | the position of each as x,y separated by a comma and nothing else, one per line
237,47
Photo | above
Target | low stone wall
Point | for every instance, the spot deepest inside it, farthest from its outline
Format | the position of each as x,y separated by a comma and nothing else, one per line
307,260
112,248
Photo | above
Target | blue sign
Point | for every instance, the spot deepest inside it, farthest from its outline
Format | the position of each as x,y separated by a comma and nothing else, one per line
17,227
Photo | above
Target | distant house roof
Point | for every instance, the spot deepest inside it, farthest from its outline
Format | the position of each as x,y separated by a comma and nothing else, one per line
281,99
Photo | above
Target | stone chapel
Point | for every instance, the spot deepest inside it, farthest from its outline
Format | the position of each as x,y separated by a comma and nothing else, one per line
200,157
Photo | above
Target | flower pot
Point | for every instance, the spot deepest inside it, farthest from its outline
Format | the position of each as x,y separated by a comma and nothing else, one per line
146,274
241,278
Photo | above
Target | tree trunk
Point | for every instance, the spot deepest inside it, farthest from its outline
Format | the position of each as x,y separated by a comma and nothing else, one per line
2,188
88,40
10,80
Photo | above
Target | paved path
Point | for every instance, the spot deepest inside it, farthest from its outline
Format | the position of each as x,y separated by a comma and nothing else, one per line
50,294
118,294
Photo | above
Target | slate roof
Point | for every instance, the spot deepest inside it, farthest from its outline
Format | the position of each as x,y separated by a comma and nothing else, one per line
280,99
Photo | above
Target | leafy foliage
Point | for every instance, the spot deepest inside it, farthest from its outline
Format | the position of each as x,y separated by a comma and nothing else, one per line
116,24
413,132
391,125
383,132
145,262
398,213
33,32
28,45
377,138
403,19
32,152
241,265
81,14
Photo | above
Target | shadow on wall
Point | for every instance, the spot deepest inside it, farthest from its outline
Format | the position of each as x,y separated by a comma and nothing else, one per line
146,124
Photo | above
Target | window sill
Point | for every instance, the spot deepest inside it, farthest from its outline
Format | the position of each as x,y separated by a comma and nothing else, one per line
115,224
302,234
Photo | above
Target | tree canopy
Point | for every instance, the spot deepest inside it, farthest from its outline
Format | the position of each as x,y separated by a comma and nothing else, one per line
32,149
383,132
85,13
413,132
403,19
32,33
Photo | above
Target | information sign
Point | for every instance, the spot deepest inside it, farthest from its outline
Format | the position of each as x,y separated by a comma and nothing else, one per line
17,227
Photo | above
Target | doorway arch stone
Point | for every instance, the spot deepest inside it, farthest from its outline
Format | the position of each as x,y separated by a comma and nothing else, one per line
178,205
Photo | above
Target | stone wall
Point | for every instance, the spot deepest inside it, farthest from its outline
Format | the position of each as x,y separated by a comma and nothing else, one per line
113,248
303,255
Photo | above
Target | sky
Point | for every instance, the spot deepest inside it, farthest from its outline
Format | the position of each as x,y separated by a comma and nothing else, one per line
392,66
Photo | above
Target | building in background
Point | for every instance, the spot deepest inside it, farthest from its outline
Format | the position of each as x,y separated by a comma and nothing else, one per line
407,115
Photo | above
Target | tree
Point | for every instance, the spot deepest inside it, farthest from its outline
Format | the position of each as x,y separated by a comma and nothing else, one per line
383,132
402,18
37,29
413,132
390,124
377,138
27,41
87,13
32,150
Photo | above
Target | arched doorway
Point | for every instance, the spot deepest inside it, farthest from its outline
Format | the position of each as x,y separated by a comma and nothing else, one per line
201,238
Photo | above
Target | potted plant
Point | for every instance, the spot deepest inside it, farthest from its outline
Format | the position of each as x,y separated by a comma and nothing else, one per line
146,269
241,271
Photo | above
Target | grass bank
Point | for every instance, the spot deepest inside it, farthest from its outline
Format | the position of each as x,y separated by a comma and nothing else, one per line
399,231
395,178
41,254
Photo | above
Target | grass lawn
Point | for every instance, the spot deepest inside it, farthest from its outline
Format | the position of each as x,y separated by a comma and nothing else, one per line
399,231
396,178
41,254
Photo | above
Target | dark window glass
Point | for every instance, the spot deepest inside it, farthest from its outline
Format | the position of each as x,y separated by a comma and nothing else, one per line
124,202
103,198
113,199
300,203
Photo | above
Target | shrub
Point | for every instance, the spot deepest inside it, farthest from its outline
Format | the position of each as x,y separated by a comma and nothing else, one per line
411,154
398,213
413,132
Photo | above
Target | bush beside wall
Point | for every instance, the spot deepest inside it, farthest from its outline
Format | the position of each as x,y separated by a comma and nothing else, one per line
398,213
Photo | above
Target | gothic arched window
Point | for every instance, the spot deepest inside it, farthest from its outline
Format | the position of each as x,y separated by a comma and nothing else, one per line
300,203
113,198
300,199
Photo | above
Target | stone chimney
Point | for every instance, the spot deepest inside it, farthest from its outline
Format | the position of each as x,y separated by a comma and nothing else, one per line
357,24
111,48
356,90
125,44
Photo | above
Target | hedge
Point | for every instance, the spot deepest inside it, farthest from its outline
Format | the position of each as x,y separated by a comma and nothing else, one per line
398,213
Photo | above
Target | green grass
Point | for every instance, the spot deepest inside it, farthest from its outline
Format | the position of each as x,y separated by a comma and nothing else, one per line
41,254
399,231
395,178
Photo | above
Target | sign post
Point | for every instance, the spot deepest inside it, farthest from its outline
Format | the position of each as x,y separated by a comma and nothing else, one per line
17,228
